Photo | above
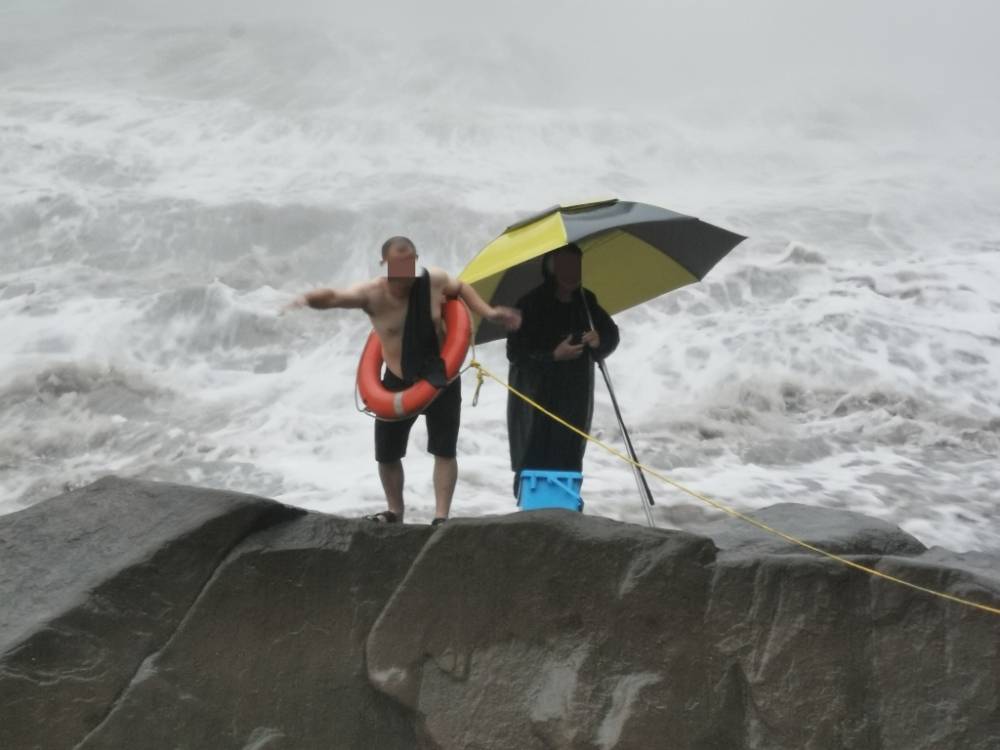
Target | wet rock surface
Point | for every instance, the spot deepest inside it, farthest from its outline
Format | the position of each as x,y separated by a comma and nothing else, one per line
192,618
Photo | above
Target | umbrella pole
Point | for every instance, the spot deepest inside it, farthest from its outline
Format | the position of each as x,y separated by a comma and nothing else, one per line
640,479
645,495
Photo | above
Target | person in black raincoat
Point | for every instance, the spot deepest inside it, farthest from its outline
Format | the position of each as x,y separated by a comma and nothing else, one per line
552,362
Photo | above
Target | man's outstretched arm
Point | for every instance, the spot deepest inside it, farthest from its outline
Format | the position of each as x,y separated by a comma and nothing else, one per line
355,297
507,317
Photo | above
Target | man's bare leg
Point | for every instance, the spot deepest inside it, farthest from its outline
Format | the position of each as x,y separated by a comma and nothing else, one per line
391,474
445,478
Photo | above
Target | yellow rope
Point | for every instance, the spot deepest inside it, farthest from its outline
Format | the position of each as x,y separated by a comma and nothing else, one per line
482,371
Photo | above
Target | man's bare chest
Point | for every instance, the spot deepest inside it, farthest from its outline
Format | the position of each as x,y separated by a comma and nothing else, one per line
389,317
389,313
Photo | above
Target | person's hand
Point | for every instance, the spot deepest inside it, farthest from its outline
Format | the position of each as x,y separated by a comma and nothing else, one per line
591,338
507,317
566,350
296,304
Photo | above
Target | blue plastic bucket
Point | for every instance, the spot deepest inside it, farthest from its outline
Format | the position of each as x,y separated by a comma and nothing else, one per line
542,488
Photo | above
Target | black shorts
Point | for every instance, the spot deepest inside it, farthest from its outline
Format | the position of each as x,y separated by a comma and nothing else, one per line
443,416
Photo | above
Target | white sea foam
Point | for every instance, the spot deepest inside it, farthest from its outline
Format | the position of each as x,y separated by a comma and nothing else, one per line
166,189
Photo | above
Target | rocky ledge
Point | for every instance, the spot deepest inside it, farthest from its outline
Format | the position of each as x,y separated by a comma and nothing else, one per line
145,615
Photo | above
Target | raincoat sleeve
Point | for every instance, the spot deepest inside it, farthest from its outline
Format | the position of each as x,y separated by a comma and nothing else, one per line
606,328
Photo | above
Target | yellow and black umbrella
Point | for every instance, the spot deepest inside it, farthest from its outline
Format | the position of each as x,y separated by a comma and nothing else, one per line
632,252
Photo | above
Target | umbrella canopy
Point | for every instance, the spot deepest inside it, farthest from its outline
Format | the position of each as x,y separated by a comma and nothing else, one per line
632,252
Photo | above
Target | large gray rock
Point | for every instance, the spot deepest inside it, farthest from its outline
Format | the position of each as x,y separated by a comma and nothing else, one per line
91,583
552,630
272,653
817,655
179,618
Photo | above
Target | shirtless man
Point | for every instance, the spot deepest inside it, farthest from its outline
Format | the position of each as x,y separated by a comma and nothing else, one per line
385,300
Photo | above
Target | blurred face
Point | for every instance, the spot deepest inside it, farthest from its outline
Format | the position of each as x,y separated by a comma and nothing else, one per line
401,259
566,268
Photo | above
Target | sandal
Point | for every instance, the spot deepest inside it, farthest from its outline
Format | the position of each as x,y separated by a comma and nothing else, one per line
386,516
438,521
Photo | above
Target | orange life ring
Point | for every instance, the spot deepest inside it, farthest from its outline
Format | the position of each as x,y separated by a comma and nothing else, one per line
395,405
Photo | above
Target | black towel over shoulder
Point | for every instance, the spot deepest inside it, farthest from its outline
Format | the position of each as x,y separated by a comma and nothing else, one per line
421,358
